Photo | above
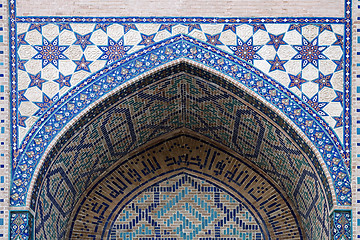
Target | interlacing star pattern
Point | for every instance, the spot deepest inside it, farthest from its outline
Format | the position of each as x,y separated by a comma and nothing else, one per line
113,51
275,56
309,52
246,50
50,52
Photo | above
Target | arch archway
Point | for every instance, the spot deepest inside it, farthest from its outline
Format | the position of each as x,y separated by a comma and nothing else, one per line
182,96
185,154
75,104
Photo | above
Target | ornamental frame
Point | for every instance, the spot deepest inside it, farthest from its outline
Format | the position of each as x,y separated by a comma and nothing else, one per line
341,149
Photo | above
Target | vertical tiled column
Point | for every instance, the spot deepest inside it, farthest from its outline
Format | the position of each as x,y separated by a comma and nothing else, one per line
4,122
355,111
21,225
341,225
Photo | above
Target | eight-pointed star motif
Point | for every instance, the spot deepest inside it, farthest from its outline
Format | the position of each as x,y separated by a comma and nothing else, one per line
50,52
309,52
114,50
246,50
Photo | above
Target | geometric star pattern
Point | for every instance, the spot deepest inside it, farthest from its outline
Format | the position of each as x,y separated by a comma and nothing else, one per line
304,59
277,64
246,50
50,52
276,41
309,52
114,50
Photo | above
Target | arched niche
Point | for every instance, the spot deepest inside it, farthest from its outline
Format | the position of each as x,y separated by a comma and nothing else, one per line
184,154
120,78
180,97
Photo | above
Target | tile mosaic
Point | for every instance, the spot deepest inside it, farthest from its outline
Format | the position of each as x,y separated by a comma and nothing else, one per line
341,221
188,208
21,226
325,48
141,117
263,208
308,60
163,54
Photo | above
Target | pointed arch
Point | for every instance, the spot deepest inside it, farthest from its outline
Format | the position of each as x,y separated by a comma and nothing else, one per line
180,96
308,124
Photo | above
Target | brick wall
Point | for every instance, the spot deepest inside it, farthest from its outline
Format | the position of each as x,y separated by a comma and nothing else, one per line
200,8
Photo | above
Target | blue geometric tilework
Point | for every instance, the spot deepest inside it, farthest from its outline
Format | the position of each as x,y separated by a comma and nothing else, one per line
307,51
48,88
21,226
315,106
341,222
80,160
184,207
178,155
167,51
